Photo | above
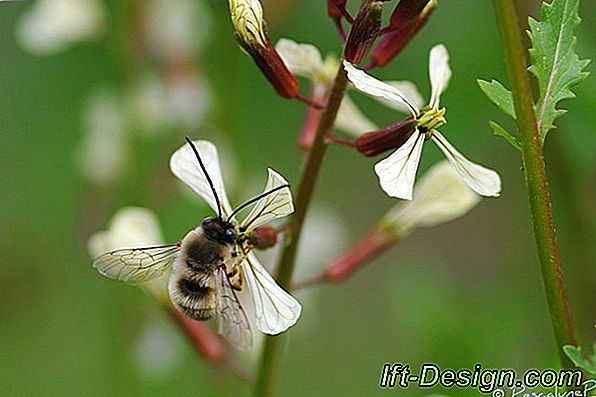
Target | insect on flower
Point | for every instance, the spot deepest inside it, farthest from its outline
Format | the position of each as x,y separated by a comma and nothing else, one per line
397,172
210,263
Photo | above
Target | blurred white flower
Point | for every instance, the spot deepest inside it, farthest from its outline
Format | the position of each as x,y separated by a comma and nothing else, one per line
103,152
148,105
324,235
157,106
397,172
305,60
52,26
157,351
189,99
131,227
441,196
175,29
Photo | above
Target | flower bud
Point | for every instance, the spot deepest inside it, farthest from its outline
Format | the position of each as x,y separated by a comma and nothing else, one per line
364,31
251,33
391,137
263,237
405,28
335,9
406,12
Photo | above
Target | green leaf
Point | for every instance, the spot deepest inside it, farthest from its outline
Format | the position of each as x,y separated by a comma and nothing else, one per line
502,132
554,61
575,354
499,95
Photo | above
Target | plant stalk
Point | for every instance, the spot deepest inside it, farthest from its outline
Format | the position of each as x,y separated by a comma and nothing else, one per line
535,175
310,172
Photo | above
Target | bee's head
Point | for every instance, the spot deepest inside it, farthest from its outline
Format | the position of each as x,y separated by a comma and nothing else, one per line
219,230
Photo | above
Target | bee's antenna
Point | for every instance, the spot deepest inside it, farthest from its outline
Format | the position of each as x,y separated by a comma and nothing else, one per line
194,149
254,199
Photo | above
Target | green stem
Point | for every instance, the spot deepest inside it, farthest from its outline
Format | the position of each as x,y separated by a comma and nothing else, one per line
309,176
536,181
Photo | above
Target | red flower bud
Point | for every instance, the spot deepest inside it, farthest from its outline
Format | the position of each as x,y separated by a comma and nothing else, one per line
395,41
364,32
263,237
391,137
406,12
274,68
336,9
251,33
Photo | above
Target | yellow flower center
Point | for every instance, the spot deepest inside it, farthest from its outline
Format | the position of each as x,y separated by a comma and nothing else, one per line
430,119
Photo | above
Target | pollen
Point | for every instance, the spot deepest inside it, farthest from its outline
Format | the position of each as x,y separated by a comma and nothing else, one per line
431,119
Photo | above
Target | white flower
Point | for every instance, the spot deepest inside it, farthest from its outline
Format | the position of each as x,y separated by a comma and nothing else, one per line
441,196
305,60
103,153
130,227
175,29
397,172
156,106
157,351
52,26
189,99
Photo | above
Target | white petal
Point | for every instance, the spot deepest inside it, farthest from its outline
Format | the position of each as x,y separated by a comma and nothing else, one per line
440,73
275,309
397,172
377,88
186,167
441,196
482,180
302,59
351,120
272,206
409,90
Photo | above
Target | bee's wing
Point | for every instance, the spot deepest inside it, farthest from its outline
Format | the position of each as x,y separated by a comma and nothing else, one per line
275,309
183,164
233,323
272,206
137,265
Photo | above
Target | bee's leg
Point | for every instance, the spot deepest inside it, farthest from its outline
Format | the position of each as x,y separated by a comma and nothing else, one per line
235,278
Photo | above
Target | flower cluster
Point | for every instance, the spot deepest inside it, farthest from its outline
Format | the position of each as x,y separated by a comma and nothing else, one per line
205,272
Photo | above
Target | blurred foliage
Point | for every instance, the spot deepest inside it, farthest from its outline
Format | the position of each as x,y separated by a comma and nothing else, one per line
464,293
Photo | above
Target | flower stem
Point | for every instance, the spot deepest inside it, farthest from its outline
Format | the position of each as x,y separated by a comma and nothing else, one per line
309,176
535,173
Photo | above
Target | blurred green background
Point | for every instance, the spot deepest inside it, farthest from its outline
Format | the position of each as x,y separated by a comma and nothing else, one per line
459,294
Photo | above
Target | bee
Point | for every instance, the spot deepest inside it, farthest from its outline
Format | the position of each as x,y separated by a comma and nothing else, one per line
211,263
